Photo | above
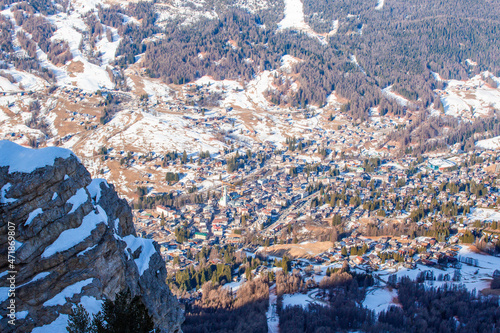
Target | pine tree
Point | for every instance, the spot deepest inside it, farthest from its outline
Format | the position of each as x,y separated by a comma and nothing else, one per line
79,320
124,315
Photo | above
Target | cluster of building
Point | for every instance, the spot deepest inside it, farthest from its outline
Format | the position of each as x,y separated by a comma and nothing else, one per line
266,199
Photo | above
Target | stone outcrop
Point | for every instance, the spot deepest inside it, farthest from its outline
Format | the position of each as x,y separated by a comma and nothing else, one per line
75,243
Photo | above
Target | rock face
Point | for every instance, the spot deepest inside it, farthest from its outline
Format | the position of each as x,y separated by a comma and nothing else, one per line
75,244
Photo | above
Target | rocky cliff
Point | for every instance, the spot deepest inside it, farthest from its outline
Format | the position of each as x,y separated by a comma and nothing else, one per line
75,244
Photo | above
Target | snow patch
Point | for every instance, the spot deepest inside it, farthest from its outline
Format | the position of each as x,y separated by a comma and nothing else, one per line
22,314
287,62
392,95
91,304
294,19
69,291
454,105
57,326
147,250
32,216
71,237
484,214
335,28
94,189
272,314
379,300
298,299
37,277
26,160
380,4
4,293
78,199
86,250
493,143
3,192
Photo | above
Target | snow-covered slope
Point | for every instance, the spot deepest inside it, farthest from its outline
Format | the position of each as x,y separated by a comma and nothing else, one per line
470,99
294,20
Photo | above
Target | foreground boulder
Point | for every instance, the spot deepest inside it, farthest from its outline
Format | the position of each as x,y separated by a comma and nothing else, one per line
75,244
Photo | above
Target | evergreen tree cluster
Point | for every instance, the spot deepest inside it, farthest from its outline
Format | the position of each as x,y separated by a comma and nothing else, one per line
126,314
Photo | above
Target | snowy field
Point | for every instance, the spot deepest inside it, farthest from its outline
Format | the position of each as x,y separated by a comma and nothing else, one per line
379,300
484,214
471,98
300,299
294,20
493,143
472,277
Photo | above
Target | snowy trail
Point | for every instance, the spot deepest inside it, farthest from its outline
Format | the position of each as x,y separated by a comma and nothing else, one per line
294,19
272,315
294,15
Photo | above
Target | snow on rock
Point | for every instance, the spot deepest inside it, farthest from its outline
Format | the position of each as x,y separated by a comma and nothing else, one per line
147,250
57,326
493,143
379,300
78,199
3,193
91,304
86,250
95,189
4,293
32,216
37,277
26,160
22,314
70,291
54,196
71,237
